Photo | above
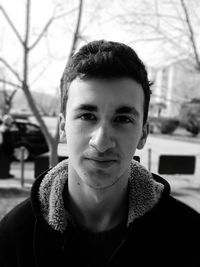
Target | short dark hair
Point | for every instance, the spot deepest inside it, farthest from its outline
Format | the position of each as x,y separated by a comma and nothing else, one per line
105,59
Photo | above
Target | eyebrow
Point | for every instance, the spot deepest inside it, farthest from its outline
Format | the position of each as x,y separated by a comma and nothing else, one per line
120,110
127,110
86,107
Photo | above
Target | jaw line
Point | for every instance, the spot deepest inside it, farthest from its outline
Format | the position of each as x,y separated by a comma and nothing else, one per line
103,188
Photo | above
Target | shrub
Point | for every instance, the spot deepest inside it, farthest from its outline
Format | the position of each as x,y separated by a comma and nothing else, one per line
168,125
193,127
190,116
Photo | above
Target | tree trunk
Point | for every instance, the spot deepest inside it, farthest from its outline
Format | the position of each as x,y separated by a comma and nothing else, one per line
52,142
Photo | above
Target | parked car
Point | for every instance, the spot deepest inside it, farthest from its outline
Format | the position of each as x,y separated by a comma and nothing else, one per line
27,138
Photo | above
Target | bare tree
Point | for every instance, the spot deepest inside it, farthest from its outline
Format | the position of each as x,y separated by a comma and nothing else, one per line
171,24
7,96
192,37
23,80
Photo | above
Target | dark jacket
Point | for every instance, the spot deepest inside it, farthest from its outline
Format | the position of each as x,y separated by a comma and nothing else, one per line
161,231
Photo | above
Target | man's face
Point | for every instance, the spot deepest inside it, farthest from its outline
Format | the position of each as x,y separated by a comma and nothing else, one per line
103,128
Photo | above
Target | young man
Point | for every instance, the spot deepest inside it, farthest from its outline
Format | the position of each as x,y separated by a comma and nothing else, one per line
100,207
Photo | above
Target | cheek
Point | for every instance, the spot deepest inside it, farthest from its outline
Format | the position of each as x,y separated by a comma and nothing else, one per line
129,147
129,142
74,126
76,137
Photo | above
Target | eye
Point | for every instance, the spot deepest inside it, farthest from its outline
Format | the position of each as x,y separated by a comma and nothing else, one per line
87,117
123,119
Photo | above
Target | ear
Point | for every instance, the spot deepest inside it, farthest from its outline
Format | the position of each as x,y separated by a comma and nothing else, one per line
143,138
62,128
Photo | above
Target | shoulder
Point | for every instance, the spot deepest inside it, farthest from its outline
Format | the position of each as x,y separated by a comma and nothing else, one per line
172,204
184,214
177,218
180,208
174,211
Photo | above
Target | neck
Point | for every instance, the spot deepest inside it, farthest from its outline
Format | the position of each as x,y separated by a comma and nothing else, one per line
98,209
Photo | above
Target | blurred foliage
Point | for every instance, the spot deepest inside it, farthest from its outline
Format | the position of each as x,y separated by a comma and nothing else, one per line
190,116
169,125
164,125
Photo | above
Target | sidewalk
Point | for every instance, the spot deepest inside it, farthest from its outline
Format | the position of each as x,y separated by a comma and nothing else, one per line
22,178
14,183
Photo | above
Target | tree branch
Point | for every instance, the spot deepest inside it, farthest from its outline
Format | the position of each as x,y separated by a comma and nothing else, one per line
191,33
13,93
11,24
10,83
160,34
76,33
10,69
65,13
42,33
27,23
47,25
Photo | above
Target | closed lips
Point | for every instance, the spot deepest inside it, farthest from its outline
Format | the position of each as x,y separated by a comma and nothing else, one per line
101,160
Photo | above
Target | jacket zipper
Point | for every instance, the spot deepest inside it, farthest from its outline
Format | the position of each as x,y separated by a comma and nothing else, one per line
115,252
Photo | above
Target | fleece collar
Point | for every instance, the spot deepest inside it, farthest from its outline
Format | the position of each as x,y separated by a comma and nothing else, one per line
144,193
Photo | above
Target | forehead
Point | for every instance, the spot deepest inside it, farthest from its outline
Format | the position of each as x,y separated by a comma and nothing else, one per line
106,94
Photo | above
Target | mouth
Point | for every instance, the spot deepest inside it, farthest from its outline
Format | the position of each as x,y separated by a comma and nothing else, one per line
101,162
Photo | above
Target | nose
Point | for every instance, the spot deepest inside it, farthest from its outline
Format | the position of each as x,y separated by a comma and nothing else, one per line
102,138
